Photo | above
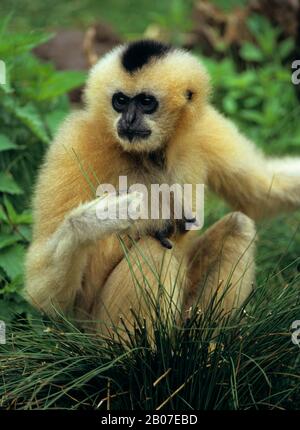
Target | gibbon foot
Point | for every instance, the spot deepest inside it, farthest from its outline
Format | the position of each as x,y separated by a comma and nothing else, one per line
222,264
146,277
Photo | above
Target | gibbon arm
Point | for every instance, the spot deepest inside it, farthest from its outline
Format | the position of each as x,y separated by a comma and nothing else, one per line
55,266
66,225
251,182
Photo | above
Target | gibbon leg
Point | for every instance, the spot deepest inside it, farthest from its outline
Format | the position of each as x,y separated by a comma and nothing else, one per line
55,265
222,264
147,277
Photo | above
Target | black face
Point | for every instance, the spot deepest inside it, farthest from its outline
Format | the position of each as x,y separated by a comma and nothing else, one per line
131,124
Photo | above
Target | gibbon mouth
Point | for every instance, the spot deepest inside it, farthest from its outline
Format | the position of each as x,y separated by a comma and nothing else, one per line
133,134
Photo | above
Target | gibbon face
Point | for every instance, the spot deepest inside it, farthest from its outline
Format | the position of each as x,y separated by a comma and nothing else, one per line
140,92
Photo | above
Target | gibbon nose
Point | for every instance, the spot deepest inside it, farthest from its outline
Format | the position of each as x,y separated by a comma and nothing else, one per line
130,125
130,115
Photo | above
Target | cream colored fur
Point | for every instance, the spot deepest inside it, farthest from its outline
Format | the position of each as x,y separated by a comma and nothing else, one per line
76,262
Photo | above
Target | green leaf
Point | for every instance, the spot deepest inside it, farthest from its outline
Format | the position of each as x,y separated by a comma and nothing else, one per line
230,104
14,44
252,116
251,102
12,260
250,52
4,22
12,215
265,34
25,232
241,82
30,117
6,144
27,115
7,240
8,184
13,287
285,48
54,119
60,83
3,216
23,218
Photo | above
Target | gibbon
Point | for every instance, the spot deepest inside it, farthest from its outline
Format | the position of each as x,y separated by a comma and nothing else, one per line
148,116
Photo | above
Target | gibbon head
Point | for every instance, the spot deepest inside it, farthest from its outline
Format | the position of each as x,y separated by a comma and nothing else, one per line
142,92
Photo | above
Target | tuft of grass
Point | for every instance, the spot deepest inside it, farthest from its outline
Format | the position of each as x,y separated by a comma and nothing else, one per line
209,361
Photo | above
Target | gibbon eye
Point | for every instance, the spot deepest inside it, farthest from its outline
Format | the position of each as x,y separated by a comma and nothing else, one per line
148,103
120,101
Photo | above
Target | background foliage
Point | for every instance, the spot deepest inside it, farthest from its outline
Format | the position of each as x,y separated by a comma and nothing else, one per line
32,104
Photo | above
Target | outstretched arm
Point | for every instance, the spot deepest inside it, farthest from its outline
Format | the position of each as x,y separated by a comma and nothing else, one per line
251,182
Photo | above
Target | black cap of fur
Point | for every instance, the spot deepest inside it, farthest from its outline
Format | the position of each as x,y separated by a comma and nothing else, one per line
140,53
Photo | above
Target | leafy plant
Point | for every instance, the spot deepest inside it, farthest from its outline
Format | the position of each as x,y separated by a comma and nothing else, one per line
176,21
261,98
32,104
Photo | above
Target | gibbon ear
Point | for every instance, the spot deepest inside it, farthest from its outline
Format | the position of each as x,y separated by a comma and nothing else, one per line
189,95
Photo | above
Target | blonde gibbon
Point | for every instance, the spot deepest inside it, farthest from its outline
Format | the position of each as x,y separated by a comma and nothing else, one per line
148,117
